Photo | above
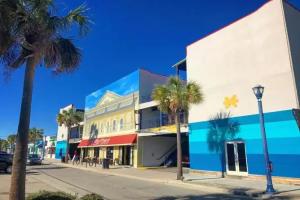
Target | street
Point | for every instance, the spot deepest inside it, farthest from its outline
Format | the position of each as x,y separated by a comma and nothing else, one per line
81,182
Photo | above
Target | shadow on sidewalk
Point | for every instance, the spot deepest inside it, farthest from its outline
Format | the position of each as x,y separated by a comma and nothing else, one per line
32,172
285,191
201,179
202,197
218,197
47,168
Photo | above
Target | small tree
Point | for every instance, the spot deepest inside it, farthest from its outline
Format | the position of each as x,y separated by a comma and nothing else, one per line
174,98
3,145
69,118
11,139
35,134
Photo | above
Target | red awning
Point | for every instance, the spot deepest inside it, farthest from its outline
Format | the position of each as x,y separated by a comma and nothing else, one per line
109,141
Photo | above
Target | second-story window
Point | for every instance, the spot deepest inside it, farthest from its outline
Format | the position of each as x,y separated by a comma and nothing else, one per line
101,127
80,131
121,123
114,125
107,127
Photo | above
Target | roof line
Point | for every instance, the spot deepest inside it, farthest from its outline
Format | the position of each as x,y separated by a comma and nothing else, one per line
179,62
229,24
292,5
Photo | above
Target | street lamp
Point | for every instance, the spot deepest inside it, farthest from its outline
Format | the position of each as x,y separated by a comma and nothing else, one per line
258,91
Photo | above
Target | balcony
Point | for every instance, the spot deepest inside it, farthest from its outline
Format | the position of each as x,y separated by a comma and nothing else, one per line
76,134
155,122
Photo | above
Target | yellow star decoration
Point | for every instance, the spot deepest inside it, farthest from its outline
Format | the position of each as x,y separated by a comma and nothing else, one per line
231,101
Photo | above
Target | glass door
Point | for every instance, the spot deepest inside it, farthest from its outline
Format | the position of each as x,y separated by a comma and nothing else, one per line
236,161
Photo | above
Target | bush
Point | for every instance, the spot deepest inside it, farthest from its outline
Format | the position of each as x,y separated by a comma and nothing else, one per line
92,197
45,195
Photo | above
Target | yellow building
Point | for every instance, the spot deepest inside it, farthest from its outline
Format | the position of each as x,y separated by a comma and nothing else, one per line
109,130
123,124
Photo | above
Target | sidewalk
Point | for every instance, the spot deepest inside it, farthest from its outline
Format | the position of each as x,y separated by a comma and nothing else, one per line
33,184
251,188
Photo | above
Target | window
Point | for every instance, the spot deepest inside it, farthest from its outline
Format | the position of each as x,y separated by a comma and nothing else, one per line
121,123
114,125
102,128
107,127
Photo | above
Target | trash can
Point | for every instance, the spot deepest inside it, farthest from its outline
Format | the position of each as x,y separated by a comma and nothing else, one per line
105,164
63,159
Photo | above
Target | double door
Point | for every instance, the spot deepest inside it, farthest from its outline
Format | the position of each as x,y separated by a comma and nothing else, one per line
236,161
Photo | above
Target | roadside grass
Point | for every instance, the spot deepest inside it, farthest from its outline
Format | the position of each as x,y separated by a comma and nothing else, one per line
46,195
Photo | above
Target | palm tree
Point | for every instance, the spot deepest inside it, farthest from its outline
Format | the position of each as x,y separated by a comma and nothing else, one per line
32,35
174,98
3,145
69,118
34,135
11,139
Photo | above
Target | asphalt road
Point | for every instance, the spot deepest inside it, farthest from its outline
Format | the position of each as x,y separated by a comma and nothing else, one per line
114,187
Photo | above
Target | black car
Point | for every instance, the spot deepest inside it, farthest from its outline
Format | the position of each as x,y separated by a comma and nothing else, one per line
6,162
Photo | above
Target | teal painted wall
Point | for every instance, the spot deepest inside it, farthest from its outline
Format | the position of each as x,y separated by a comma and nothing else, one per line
60,149
283,138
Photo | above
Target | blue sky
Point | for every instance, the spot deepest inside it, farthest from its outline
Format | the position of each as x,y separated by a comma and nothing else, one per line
126,35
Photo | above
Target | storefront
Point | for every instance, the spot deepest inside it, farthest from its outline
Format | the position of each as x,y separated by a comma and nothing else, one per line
121,150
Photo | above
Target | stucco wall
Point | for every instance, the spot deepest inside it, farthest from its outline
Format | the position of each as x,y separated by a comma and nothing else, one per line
151,149
229,62
62,131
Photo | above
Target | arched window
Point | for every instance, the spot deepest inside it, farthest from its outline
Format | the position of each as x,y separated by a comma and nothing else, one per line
121,123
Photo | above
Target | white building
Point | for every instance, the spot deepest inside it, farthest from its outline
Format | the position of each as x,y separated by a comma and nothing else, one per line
260,48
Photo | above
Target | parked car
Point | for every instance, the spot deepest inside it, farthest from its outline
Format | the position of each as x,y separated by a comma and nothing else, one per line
6,162
34,159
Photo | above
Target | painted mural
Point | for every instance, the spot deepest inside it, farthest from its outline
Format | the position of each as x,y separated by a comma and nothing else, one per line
122,87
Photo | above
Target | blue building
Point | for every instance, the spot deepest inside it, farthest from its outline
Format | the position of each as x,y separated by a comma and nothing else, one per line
224,132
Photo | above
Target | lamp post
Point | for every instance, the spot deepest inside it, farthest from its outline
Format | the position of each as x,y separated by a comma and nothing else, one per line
258,91
44,145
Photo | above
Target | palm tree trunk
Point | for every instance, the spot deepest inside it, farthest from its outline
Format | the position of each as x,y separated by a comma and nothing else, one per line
68,146
17,187
179,151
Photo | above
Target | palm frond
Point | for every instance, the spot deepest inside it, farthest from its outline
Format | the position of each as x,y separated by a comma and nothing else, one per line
29,28
62,55
78,15
176,96
69,118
